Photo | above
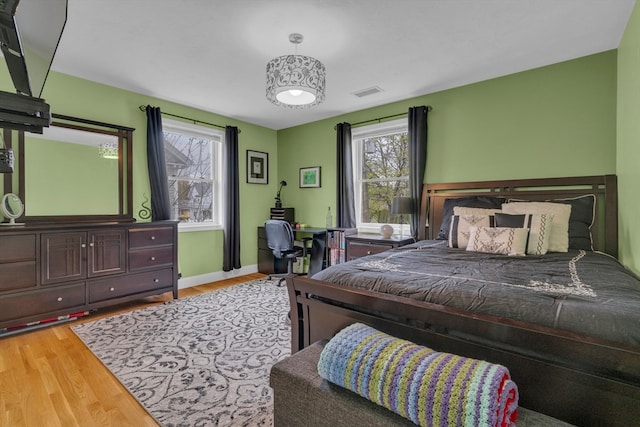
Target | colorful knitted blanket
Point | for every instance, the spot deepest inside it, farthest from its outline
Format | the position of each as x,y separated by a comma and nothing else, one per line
427,387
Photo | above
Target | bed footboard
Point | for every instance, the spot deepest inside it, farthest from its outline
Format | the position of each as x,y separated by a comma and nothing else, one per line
578,379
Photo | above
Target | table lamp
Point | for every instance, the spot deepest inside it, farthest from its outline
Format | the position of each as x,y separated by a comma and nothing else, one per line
402,206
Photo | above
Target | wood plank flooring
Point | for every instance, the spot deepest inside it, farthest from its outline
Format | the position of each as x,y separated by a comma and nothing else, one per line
49,378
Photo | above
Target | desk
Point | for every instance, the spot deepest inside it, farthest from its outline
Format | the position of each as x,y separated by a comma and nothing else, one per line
267,264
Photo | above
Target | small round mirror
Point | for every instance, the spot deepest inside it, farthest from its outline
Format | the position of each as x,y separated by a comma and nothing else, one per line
12,208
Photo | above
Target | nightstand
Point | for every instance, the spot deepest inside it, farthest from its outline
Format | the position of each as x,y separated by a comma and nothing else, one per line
359,245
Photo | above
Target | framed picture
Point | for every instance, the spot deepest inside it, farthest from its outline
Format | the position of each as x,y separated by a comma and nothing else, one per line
310,177
257,167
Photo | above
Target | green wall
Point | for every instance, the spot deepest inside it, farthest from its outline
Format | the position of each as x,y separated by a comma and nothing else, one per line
558,120
628,148
553,121
200,253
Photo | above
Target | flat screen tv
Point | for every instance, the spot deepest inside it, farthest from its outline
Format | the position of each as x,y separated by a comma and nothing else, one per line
30,31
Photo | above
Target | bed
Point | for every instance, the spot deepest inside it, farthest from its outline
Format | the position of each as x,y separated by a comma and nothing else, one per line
573,350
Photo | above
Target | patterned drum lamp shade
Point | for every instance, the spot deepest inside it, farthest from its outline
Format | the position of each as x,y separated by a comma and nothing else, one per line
295,81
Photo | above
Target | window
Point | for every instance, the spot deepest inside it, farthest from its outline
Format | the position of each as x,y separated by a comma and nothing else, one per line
193,156
381,172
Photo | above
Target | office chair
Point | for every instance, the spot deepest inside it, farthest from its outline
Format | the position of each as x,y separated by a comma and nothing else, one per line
280,240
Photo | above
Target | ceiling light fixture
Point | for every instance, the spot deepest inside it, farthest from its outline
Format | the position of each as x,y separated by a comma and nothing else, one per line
108,150
295,81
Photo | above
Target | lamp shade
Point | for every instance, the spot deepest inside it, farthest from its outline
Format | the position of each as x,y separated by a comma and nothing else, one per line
108,150
295,81
402,206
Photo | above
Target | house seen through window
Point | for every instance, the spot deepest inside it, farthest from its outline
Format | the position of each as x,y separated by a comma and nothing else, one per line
381,172
193,157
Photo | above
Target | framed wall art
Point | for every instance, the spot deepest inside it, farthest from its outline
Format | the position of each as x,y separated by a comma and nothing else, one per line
257,167
310,177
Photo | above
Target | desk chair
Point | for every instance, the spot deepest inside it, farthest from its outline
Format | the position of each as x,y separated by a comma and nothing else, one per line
280,240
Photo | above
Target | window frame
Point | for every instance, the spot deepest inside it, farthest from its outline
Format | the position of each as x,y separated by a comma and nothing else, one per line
357,135
217,138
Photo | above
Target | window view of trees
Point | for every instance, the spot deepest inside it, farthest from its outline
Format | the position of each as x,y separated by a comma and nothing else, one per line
190,162
384,175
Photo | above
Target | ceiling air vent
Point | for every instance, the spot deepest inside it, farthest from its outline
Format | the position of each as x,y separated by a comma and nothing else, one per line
366,92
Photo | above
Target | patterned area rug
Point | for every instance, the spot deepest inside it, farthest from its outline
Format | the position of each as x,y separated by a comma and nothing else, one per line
202,360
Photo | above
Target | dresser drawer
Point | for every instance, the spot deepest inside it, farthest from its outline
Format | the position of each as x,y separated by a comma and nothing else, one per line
358,249
148,258
106,289
146,237
17,275
50,300
18,248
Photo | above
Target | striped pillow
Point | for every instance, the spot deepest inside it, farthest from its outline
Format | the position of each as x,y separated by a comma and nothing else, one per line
539,226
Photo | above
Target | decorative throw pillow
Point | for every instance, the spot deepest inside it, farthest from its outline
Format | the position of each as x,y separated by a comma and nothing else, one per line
463,210
498,240
539,226
487,202
460,225
559,239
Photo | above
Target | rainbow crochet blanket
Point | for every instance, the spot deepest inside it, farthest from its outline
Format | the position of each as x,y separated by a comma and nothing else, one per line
427,387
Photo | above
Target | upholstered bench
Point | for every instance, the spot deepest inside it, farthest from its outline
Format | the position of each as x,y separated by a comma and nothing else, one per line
303,398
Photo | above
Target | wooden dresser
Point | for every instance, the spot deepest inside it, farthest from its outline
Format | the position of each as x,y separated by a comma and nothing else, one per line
48,271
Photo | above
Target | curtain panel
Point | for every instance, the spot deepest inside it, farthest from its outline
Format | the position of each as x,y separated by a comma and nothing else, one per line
417,124
345,208
231,251
160,202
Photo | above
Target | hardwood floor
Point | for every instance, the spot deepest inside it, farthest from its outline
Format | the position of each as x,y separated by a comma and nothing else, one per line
49,378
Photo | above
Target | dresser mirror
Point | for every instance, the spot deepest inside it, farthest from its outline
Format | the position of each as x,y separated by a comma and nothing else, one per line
12,208
77,170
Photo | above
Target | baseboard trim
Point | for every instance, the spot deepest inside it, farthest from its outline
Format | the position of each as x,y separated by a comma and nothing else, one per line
188,282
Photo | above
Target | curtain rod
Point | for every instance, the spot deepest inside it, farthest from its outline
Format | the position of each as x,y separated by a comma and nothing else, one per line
429,108
195,121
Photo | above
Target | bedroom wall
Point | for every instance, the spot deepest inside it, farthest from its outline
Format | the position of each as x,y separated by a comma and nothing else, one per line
628,144
200,252
554,121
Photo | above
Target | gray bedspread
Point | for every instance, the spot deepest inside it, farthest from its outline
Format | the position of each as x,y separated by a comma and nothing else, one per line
579,291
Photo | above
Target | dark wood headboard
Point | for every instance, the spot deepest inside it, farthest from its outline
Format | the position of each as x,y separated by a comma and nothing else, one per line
605,188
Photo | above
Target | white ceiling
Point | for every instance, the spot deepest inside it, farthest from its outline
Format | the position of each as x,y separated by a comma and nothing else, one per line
212,54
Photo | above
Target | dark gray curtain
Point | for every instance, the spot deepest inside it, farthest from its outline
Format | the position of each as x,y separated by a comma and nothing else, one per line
346,210
231,256
160,202
417,161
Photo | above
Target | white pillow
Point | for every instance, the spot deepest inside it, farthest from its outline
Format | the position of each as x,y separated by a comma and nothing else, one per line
539,226
498,240
463,210
559,238
459,228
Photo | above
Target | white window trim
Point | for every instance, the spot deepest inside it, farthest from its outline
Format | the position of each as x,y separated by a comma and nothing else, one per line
384,128
215,135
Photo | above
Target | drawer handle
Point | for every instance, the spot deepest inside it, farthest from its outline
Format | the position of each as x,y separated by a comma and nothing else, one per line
112,289
153,237
59,299
83,245
153,258
368,252
91,244
156,280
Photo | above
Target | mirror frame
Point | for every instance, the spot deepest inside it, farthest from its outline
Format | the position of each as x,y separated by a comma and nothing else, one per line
125,171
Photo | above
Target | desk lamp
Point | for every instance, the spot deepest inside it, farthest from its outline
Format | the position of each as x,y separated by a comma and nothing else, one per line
278,201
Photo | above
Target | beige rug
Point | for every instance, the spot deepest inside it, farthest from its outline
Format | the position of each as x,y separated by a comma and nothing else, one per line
199,361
